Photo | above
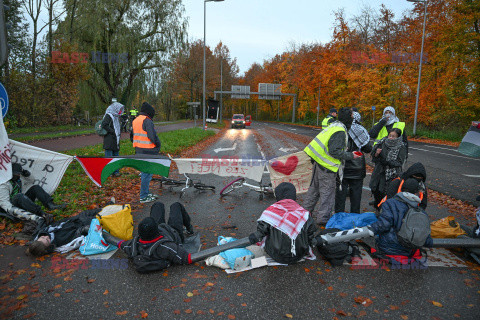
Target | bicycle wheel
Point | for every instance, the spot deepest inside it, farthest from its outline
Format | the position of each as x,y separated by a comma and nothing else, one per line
237,183
202,186
172,182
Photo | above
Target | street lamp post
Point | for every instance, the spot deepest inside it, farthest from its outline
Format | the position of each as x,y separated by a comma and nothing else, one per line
420,67
204,40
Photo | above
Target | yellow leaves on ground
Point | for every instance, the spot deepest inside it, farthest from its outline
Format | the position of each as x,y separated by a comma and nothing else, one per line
437,304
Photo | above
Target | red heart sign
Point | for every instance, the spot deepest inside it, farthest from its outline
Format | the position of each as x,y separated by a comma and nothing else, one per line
286,168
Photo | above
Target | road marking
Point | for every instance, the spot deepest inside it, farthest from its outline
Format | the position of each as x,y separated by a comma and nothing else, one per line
263,158
447,154
451,149
226,149
293,129
287,149
472,175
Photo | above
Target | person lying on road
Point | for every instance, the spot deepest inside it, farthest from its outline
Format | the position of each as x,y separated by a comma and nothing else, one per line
158,244
17,204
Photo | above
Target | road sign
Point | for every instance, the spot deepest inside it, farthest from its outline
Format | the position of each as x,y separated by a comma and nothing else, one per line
3,100
373,108
240,92
269,91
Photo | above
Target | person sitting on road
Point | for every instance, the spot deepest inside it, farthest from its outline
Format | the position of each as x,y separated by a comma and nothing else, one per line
61,233
388,157
287,227
390,221
19,205
158,244
416,171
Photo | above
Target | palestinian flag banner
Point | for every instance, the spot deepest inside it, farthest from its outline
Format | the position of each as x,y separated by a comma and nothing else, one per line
470,145
100,168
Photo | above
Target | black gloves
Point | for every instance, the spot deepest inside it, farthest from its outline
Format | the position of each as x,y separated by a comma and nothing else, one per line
25,173
253,238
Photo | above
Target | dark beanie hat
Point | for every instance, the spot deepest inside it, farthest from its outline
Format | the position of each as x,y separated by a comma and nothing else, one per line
148,109
332,110
148,229
345,116
285,190
16,169
410,185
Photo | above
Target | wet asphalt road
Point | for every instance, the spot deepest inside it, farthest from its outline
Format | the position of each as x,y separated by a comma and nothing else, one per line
308,290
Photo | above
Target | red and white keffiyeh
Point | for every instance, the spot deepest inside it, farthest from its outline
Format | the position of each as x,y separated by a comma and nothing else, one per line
287,216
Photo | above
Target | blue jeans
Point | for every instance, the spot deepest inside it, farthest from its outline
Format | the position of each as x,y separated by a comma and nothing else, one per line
145,184
111,153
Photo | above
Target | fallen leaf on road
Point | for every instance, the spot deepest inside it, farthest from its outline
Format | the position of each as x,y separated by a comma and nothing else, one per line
360,286
106,292
244,304
239,294
342,294
392,307
28,316
404,317
58,286
121,313
35,265
143,314
21,297
211,311
91,280
189,294
341,313
176,311
187,300
288,315
362,313
437,304
188,311
209,284
363,301
69,290
57,295
231,316
330,288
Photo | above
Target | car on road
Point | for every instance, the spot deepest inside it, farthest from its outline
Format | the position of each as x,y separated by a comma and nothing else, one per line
248,120
238,121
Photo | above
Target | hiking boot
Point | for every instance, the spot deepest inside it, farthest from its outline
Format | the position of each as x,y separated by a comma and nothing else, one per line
147,199
52,206
188,231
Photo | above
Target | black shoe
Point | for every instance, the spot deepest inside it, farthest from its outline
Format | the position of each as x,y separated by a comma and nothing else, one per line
52,206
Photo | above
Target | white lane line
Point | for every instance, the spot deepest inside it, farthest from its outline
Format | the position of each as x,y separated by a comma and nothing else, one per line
451,149
471,175
288,149
264,159
226,149
447,154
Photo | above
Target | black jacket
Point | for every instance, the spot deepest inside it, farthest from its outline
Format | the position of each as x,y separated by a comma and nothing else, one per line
356,168
378,181
158,253
416,169
110,139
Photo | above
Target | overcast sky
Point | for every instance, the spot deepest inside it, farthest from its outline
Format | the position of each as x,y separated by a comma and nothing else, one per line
255,30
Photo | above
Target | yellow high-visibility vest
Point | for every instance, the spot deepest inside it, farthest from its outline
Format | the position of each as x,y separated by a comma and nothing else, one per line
383,133
317,149
325,122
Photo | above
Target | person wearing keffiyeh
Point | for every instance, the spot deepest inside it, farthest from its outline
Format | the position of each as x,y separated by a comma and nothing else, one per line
111,124
355,169
389,121
288,229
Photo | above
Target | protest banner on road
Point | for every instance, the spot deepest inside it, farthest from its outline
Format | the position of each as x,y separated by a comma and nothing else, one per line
5,162
224,167
46,167
295,168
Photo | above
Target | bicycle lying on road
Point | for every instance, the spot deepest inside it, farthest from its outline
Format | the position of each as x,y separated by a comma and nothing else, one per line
185,183
240,182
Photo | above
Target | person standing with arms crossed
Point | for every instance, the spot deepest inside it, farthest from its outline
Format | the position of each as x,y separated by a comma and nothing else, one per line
145,141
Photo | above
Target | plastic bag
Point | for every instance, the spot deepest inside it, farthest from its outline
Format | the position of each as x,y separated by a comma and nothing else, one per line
94,243
231,255
345,221
446,228
117,220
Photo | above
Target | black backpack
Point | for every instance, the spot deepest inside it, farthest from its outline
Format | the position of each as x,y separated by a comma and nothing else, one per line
144,263
415,227
336,253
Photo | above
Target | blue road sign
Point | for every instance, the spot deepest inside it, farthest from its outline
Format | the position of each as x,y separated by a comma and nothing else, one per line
373,108
3,100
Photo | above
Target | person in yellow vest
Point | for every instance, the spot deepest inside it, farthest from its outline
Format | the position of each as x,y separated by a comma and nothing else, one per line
145,141
389,121
332,116
328,153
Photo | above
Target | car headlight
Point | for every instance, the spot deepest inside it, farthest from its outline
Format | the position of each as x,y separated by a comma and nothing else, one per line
243,121
233,121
